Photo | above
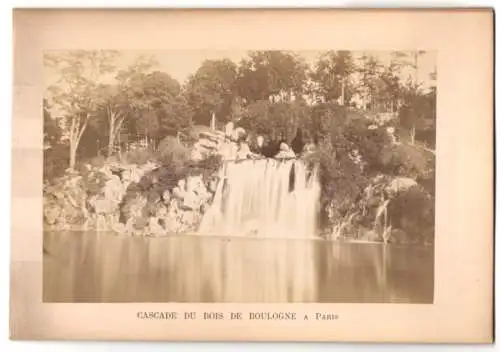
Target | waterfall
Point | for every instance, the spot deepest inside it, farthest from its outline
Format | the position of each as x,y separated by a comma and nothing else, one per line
264,198
385,228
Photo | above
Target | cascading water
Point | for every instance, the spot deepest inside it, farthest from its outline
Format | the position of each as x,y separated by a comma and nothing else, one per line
264,198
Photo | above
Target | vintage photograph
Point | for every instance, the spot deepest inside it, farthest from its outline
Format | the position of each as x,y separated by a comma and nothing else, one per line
239,176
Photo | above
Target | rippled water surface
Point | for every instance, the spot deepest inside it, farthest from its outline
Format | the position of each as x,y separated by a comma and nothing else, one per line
102,267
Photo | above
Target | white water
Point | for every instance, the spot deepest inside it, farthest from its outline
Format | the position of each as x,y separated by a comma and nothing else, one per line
253,199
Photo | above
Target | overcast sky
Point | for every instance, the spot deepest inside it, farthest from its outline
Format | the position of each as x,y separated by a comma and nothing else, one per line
181,63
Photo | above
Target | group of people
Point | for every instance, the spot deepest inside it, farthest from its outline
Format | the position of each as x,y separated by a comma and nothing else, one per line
278,147
260,146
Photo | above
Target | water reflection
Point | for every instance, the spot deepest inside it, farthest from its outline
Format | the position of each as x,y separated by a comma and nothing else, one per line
100,267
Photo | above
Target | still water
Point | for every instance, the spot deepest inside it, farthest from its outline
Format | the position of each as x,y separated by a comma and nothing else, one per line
102,267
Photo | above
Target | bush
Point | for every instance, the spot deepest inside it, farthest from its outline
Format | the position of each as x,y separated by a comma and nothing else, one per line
413,212
341,180
139,157
408,161
192,134
172,153
265,118
368,139
55,161
206,167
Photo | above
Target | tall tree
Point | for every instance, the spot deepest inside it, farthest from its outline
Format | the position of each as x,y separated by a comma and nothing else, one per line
176,116
370,80
151,96
73,95
418,113
332,74
410,59
272,75
390,92
119,101
210,91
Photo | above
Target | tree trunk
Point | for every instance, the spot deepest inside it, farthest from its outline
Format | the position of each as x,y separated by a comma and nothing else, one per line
412,134
111,142
342,94
72,153
212,122
416,67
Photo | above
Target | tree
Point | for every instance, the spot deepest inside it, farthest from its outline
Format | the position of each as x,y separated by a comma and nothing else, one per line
332,74
119,101
271,119
176,116
73,96
390,89
152,97
410,59
51,131
137,102
272,75
370,80
112,101
418,114
210,90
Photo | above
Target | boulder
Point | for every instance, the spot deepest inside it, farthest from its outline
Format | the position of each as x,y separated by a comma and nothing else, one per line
212,185
154,227
178,193
188,218
51,212
133,209
207,144
216,136
398,236
238,134
243,152
400,184
228,151
166,196
228,129
119,228
114,190
285,152
192,201
161,211
368,235
197,155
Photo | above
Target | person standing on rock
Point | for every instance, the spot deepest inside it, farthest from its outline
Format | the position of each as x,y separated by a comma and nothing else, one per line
298,142
228,130
273,147
257,145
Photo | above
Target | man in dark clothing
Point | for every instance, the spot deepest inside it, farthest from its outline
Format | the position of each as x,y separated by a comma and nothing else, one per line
298,142
273,147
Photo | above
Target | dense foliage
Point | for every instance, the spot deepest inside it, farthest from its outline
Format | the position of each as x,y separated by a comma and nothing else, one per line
336,101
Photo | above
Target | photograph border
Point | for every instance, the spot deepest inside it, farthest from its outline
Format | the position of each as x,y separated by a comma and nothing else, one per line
464,147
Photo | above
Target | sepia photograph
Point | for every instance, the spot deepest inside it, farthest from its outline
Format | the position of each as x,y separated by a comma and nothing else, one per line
239,176
285,175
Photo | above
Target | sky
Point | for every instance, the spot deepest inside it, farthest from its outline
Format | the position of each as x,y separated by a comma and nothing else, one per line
181,63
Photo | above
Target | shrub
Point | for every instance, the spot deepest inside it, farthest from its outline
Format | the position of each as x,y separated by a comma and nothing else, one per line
408,161
206,167
98,161
265,118
413,212
139,157
172,152
190,135
341,180
55,161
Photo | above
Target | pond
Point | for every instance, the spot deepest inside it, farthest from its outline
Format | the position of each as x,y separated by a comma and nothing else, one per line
102,267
